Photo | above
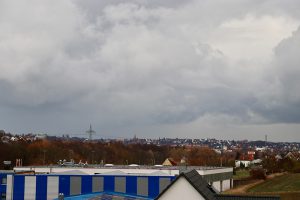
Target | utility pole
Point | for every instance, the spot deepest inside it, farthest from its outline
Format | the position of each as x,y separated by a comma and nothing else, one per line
93,157
221,155
90,132
44,160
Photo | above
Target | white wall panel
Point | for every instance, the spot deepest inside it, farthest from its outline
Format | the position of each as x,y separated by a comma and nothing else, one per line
217,185
226,185
180,190
52,187
9,187
30,188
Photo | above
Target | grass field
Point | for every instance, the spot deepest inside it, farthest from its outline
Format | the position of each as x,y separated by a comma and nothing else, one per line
241,174
285,183
283,195
287,186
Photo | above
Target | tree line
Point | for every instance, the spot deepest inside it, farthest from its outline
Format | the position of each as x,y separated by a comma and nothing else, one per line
49,152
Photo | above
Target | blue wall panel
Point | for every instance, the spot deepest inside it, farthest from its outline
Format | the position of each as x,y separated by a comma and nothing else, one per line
131,185
41,187
2,186
64,185
153,186
86,184
19,182
109,183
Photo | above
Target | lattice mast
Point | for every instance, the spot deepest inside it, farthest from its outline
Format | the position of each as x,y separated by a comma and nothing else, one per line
90,132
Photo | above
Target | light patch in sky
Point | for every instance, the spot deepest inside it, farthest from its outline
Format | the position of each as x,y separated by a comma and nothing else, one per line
253,37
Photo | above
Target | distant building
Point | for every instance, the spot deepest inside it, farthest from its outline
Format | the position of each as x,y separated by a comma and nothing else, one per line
256,162
278,157
244,163
40,137
261,149
292,156
169,162
183,161
251,155
7,164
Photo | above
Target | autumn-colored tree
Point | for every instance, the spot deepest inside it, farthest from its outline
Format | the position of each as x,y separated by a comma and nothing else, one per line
203,156
46,152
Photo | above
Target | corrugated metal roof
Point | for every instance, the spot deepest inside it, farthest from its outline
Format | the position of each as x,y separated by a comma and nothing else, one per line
6,171
71,172
218,176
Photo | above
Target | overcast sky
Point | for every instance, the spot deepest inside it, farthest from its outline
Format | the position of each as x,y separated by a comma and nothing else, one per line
207,68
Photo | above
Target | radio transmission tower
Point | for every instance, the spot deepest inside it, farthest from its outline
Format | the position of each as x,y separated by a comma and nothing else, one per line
90,132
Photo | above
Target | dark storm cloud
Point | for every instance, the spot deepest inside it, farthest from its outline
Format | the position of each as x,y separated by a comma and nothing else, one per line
125,64
283,97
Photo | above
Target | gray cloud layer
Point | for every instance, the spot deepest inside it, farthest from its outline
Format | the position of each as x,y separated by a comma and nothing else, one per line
148,66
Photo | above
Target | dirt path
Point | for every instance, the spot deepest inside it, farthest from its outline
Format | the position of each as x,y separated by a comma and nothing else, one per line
275,175
243,189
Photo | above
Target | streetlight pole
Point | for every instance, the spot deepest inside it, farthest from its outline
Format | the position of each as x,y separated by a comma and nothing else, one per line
222,156
44,160
93,157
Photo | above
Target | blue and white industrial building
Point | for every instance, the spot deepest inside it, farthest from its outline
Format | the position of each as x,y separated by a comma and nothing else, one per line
141,182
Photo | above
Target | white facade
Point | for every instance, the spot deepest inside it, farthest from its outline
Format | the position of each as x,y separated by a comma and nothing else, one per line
225,185
220,186
246,163
217,185
175,192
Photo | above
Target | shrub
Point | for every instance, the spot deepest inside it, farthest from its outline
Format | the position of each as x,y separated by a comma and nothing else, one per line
296,169
258,173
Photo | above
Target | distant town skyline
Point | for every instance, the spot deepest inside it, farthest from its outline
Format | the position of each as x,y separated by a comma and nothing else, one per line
186,69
